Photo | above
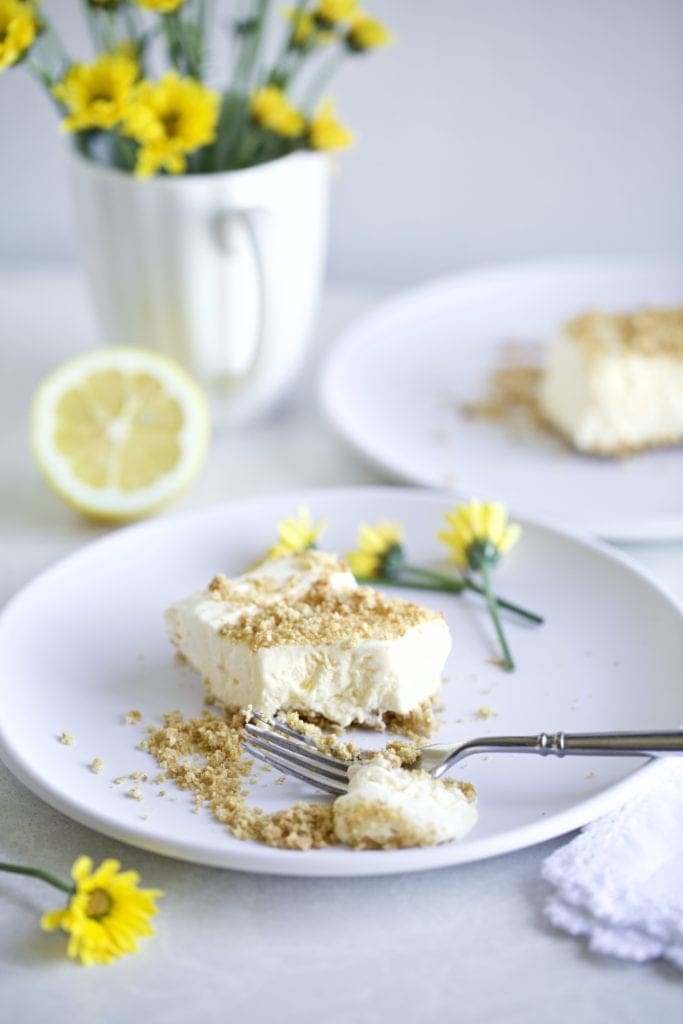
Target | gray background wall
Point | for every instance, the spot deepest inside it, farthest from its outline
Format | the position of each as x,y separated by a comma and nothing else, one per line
491,130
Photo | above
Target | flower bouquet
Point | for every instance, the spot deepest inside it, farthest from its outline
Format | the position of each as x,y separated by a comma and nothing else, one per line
179,122
216,257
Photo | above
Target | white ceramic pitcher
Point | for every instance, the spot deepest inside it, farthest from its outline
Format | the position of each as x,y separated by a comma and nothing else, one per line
222,271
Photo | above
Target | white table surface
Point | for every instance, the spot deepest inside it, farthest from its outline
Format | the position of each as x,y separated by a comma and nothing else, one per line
467,943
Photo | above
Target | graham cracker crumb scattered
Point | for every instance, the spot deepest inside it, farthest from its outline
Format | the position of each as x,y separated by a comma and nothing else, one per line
326,742
280,780
204,755
485,712
96,765
67,739
135,793
119,779
421,723
132,717
512,395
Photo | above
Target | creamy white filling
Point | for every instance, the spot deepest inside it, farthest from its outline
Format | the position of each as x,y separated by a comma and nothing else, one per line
398,807
612,401
351,681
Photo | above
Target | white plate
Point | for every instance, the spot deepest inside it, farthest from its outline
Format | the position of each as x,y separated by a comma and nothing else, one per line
84,643
395,381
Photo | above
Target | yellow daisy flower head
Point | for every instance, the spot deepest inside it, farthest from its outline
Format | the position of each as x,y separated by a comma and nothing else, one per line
296,534
161,6
479,532
19,26
328,13
378,546
305,32
97,95
367,33
270,108
170,118
326,132
106,914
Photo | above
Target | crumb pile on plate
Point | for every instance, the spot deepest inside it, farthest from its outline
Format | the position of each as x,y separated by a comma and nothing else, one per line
387,807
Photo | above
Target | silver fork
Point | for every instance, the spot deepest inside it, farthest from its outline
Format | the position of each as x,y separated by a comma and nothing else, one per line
275,743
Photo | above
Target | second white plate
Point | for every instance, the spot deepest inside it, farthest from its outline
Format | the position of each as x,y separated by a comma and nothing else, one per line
395,381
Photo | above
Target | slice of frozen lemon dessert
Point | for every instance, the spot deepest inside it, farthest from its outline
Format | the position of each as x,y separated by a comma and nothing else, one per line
299,634
118,432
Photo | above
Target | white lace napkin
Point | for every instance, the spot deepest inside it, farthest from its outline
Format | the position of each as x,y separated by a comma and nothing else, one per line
620,881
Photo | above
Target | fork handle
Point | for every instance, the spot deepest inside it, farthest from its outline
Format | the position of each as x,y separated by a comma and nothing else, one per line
647,744
561,744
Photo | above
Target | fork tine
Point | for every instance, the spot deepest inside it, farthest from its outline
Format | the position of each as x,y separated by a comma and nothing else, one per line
300,759
266,736
336,789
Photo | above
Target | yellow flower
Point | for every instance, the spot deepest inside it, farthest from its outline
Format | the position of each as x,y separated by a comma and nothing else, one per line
366,33
375,544
106,914
294,535
329,12
326,132
270,107
305,30
160,6
479,531
170,118
19,26
97,95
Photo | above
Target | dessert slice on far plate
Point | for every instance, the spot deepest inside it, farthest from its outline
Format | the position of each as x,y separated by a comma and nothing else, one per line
299,634
614,383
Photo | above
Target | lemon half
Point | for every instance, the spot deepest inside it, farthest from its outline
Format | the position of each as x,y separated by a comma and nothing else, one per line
119,432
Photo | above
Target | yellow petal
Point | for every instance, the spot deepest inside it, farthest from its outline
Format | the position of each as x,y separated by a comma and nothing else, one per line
496,516
510,537
82,867
52,920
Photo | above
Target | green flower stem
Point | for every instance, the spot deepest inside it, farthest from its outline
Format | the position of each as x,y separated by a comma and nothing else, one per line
93,23
205,14
176,43
508,663
110,30
319,83
39,73
443,582
234,116
255,42
287,46
45,876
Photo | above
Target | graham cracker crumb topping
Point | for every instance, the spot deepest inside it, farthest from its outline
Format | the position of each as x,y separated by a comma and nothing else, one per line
324,616
654,331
